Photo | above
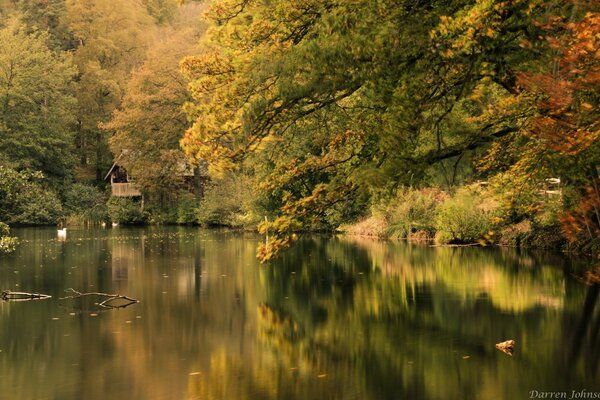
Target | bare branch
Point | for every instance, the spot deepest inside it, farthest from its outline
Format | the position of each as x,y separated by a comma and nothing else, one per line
8,295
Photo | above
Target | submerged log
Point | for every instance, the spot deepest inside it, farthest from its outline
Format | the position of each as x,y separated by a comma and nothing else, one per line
8,295
508,346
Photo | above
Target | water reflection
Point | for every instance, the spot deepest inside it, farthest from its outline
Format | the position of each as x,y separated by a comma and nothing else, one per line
333,318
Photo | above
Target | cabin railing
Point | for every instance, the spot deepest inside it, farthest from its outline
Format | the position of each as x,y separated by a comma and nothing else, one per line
125,190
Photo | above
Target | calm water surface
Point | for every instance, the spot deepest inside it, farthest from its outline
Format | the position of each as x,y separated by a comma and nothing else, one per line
337,318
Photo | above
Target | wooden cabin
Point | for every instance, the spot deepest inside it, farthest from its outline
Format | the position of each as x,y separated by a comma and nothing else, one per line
122,185
120,182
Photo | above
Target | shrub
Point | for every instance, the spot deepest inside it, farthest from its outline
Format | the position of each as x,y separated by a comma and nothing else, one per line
37,206
228,202
23,200
85,202
125,210
373,225
187,210
462,219
516,235
413,212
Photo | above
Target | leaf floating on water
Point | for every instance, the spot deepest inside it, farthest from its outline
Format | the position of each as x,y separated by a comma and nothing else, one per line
93,315
195,373
321,376
507,346
55,319
466,357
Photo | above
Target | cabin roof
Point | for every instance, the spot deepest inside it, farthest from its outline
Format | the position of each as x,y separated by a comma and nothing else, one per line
115,165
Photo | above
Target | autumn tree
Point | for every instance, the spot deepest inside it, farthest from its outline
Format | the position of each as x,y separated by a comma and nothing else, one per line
329,100
111,39
150,121
163,11
565,130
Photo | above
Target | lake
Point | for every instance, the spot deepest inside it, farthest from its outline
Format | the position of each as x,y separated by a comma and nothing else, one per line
332,318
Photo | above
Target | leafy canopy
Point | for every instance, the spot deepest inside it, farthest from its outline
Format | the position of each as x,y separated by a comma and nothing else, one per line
327,100
36,103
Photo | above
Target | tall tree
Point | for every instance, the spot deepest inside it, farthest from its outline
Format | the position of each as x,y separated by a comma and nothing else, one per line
111,38
150,122
36,103
565,132
340,96
47,16
163,11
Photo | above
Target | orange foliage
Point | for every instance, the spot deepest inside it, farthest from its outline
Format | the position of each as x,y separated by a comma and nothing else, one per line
568,121
582,224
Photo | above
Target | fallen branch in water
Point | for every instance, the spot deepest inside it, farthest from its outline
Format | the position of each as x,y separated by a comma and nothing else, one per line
8,295
110,300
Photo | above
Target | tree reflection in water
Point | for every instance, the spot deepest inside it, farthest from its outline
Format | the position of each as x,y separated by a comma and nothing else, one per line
331,319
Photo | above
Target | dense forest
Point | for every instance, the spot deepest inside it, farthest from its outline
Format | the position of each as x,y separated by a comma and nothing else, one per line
464,121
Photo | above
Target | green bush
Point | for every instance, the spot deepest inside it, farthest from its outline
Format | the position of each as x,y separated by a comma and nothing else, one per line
463,219
228,202
181,210
125,210
37,206
413,213
23,199
85,202
187,210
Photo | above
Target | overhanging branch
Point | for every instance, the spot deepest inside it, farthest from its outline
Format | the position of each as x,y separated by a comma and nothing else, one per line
435,156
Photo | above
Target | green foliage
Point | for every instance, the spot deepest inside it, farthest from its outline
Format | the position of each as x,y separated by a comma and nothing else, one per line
24,200
413,211
111,37
163,11
37,206
47,16
228,202
463,219
36,110
150,122
125,210
85,202
7,243
187,210
339,97
184,210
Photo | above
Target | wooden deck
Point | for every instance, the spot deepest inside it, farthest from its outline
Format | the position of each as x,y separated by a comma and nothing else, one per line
124,190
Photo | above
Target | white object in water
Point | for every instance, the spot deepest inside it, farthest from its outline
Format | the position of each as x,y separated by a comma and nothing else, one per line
115,224
62,233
